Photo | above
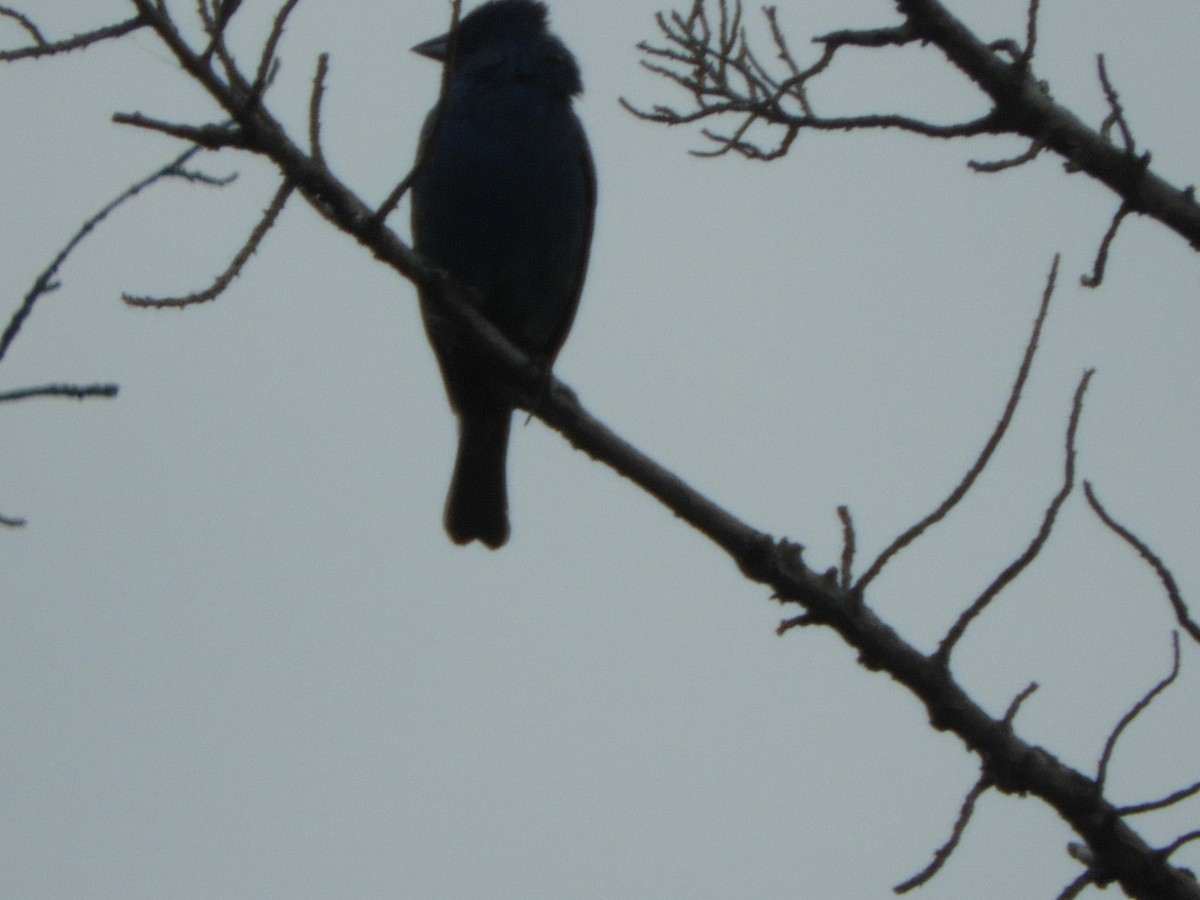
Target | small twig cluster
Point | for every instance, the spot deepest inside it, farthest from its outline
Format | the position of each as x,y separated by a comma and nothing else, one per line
716,63
719,67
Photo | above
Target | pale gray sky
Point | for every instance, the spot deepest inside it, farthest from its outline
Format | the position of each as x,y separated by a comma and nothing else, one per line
242,660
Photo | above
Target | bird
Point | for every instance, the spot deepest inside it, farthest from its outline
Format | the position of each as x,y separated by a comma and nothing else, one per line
503,199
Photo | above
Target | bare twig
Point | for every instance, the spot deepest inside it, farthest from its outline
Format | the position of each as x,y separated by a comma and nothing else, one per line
46,283
848,541
314,109
943,853
1097,276
393,199
74,391
1166,851
1031,23
210,137
1182,615
1152,805
981,462
1126,720
1000,165
1013,708
42,47
1017,566
1081,883
239,261
1116,115
25,22
215,23
896,36
267,61
223,13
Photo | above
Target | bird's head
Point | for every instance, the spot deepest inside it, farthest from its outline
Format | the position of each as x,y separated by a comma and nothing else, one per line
507,41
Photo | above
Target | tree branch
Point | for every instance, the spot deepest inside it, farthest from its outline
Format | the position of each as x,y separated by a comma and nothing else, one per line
46,283
1008,763
989,449
42,47
74,391
1022,562
720,72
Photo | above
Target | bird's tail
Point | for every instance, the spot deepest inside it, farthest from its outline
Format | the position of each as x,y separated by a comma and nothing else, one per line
477,505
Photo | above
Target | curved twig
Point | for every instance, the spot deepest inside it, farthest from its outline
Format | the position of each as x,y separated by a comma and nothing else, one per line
1136,710
1182,615
235,267
1096,278
981,462
46,283
1017,566
943,853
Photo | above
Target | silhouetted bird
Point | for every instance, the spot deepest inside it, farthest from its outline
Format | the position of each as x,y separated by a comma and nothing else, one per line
503,199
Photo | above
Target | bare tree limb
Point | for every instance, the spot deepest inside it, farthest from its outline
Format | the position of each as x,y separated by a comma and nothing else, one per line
722,81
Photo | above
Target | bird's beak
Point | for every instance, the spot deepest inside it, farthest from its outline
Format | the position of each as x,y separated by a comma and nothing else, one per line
435,48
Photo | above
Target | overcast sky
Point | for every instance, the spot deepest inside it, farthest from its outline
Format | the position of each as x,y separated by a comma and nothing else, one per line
239,658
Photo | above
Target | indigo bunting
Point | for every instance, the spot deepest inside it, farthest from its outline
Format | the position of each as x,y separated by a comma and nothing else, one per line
503,198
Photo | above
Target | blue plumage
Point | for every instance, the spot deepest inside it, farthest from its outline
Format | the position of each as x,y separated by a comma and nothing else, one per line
503,199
